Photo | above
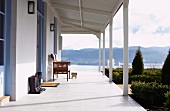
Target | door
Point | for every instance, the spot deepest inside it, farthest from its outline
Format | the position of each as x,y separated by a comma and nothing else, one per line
40,37
2,31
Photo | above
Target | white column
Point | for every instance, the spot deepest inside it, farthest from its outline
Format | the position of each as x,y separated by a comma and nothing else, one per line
110,51
103,52
125,51
59,48
58,41
99,36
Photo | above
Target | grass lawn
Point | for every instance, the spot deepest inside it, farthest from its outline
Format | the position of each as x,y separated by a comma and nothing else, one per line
121,86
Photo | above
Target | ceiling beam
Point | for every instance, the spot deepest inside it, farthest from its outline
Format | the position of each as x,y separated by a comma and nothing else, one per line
117,7
114,11
66,26
81,18
84,22
87,10
85,28
74,32
53,9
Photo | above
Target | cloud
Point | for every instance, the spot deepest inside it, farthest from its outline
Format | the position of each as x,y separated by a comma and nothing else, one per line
79,41
134,29
162,30
149,19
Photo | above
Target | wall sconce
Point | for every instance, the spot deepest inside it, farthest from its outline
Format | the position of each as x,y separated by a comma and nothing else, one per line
51,27
31,7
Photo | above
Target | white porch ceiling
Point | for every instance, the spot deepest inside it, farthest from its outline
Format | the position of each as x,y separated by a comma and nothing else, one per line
84,16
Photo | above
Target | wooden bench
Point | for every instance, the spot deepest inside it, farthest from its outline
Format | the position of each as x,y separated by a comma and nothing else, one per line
4,100
61,68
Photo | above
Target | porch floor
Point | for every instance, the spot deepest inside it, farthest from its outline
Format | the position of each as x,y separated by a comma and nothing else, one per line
91,91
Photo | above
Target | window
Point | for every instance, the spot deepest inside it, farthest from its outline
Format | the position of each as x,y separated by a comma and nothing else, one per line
2,21
1,26
1,52
40,34
2,6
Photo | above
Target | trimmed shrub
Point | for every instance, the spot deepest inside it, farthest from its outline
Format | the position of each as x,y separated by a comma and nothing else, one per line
117,78
167,103
141,92
149,94
165,77
107,72
118,70
145,78
137,64
152,71
149,75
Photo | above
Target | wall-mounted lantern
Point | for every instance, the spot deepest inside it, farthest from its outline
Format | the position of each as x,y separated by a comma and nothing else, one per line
51,27
31,7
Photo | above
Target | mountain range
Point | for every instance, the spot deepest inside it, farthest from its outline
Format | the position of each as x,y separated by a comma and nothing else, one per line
89,56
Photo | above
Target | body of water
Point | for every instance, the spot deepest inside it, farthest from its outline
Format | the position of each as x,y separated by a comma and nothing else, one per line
78,68
93,68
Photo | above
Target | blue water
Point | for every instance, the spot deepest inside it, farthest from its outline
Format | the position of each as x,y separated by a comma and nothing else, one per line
89,68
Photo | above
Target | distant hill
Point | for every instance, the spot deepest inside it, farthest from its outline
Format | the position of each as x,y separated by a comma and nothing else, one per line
90,56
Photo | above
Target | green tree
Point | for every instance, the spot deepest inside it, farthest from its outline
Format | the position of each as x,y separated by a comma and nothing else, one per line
165,76
137,64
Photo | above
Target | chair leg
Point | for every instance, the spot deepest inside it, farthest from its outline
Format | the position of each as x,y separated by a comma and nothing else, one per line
67,76
53,77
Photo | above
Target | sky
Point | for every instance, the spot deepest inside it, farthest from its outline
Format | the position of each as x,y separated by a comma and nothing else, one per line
149,25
